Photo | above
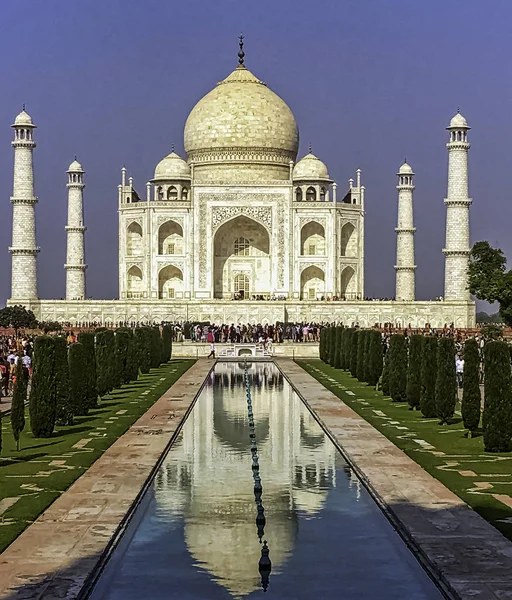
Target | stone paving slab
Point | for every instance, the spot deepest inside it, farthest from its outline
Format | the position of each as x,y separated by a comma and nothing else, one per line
472,558
56,554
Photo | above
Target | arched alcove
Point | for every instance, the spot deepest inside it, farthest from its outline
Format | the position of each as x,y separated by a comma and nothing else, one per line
170,281
134,240
348,242
241,246
170,238
348,284
312,283
312,239
172,193
311,194
135,283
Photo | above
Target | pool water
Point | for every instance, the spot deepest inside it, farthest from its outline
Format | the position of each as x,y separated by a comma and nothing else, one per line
195,535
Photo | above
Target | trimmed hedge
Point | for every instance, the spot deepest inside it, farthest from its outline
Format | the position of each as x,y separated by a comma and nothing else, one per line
19,397
385,373
413,389
337,343
471,396
353,352
64,409
428,377
332,345
42,402
347,348
77,359
446,380
87,339
361,358
167,343
375,357
497,416
397,368
105,361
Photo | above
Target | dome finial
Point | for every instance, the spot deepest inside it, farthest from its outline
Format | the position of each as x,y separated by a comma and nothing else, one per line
458,110
172,147
310,148
23,105
241,53
76,157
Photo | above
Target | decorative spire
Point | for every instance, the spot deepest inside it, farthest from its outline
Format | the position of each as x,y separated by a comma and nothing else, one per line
241,53
458,110
76,157
172,147
310,148
23,105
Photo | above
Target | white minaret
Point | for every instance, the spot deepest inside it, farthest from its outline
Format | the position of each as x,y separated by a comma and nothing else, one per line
457,203
405,267
75,257
24,250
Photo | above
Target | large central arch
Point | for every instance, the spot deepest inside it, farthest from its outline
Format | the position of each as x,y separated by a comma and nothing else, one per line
241,250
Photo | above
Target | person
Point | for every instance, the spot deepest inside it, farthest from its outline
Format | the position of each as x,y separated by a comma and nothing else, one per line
212,350
459,369
3,371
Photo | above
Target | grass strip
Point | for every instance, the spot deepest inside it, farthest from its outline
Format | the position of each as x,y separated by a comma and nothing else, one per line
31,479
458,462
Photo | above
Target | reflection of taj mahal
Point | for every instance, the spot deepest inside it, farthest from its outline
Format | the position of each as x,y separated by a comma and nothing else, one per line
241,218
206,479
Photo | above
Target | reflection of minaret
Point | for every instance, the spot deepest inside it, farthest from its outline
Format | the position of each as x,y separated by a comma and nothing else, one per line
23,249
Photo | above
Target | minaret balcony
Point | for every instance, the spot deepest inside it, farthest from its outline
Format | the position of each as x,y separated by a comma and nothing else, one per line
24,251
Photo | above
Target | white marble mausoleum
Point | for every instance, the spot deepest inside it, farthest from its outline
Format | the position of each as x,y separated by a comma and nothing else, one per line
240,229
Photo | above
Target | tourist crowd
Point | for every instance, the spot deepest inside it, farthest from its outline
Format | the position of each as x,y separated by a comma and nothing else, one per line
11,350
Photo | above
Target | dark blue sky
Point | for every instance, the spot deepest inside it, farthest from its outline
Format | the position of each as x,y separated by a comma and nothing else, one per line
369,81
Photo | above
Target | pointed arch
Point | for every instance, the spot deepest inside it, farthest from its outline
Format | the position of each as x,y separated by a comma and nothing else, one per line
170,238
135,282
172,193
348,242
348,288
310,194
312,283
312,239
134,246
170,282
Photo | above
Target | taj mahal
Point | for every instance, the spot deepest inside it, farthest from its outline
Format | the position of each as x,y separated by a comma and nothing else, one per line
241,231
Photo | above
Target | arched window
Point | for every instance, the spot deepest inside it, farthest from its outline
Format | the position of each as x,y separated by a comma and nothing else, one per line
298,194
311,194
172,193
134,239
242,246
322,194
241,284
159,193
184,193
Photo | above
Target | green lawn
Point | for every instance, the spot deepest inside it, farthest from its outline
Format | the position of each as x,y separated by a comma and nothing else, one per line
30,480
458,462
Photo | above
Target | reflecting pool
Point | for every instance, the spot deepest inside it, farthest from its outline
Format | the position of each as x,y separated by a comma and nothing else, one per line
195,534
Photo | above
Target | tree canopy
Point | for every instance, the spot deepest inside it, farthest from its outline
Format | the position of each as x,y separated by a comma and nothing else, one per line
489,280
17,317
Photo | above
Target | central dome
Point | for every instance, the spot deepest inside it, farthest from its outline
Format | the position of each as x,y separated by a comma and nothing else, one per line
242,121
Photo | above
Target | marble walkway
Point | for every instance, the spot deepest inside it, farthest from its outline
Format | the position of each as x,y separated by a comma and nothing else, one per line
470,557
56,554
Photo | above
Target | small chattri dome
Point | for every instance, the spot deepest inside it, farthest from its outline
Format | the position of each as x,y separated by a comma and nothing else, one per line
172,167
458,121
310,167
23,119
405,169
75,167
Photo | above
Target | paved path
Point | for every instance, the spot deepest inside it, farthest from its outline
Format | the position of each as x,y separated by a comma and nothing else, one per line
472,557
55,555
5,404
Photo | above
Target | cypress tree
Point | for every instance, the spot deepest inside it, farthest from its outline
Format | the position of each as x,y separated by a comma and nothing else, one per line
374,357
19,397
77,357
471,397
343,346
385,373
156,348
413,389
361,343
42,402
353,352
87,339
428,377
321,345
366,352
397,368
337,355
132,359
122,358
348,345
446,380
332,345
143,344
64,414
497,416
167,343
105,361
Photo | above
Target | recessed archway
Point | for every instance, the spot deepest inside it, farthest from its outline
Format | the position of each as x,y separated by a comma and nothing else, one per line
135,283
241,246
312,239
170,282
170,238
312,283
348,245
134,239
348,284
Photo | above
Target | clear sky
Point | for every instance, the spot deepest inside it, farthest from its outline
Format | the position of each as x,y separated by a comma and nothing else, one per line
369,82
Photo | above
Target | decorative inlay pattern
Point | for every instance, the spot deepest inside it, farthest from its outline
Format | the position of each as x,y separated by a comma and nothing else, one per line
263,214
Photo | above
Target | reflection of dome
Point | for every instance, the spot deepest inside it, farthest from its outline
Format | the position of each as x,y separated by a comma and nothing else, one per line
75,167
172,167
231,426
241,122
405,169
311,501
310,167
23,119
459,121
